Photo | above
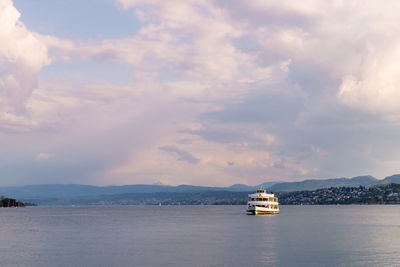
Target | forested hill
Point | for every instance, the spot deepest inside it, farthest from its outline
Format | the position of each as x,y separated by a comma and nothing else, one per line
338,182
381,194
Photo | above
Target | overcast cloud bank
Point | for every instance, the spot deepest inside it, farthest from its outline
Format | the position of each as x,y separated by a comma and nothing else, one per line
202,92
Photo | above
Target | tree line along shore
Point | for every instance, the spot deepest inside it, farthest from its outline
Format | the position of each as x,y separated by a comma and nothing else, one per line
6,202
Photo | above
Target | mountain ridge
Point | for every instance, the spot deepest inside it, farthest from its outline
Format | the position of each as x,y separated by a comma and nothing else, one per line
53,193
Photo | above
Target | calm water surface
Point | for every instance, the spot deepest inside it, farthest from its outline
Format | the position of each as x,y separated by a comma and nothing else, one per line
200,236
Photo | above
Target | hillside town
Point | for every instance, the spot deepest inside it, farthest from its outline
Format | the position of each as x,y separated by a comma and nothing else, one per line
383,194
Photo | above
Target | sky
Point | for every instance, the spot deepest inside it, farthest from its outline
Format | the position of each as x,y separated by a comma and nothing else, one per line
201,92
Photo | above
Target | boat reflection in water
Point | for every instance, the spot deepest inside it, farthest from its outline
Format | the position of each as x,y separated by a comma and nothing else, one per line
262,202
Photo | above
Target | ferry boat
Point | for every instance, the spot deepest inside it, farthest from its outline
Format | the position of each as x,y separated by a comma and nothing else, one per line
262,202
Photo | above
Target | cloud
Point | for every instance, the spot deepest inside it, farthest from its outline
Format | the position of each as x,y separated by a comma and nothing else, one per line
376,88
212,92
182,155
186,47
44,156
22,56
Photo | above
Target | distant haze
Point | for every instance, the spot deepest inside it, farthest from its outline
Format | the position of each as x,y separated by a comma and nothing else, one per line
214,93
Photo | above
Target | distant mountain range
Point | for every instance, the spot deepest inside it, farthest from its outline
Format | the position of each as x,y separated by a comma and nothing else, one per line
52,194
77,190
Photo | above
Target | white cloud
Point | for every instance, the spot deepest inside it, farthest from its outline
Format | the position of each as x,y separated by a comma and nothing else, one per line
180,42
377,87
22,56
266,138
44,156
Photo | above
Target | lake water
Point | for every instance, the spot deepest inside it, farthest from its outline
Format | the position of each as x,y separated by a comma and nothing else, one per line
200,236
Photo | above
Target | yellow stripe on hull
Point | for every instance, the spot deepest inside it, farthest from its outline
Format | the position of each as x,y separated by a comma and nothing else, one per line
265,212
262,212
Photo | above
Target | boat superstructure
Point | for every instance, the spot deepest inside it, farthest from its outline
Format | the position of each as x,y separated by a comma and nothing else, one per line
262,202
